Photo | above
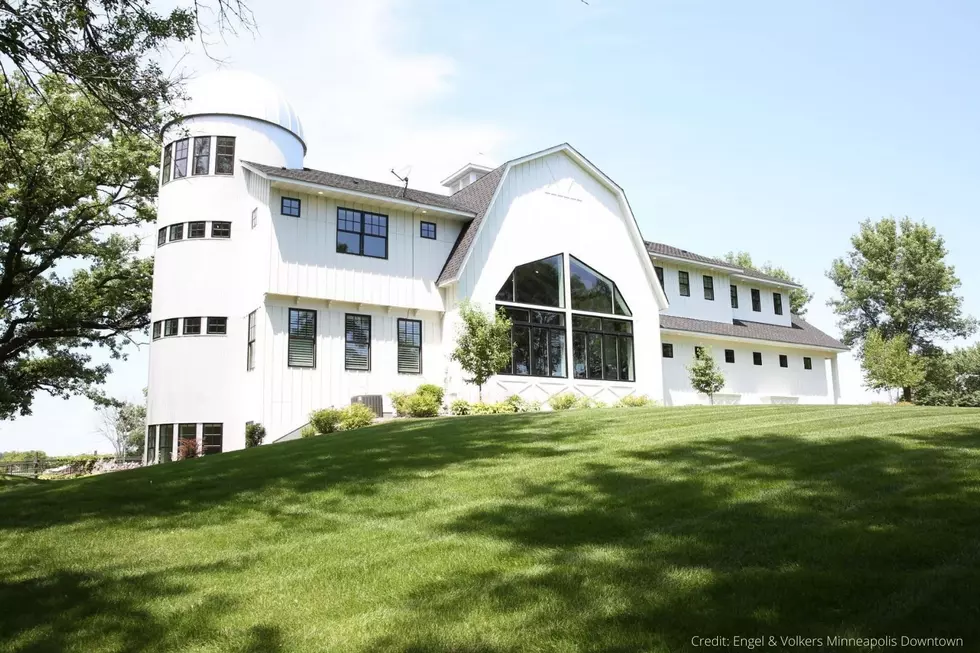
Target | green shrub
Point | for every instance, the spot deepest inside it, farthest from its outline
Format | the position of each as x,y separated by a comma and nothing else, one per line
459,407
399,401
503,407
254,434
480,408
325,421
635,401
432,390
521,405
355,416
589,402
421,405
307,431
564,401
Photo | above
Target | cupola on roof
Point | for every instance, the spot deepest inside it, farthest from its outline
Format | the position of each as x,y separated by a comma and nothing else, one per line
239,93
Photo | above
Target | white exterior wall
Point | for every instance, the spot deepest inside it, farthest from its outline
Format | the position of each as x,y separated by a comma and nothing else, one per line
745,382
696,306
304,262
768,313
546,206
290,394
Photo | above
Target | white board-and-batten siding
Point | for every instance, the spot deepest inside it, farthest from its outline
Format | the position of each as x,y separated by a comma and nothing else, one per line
304,261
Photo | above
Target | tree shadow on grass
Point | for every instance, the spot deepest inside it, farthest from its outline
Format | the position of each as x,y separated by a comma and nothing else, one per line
774,535
69,610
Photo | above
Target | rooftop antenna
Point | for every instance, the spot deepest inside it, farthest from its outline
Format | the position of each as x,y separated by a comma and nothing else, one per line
402,179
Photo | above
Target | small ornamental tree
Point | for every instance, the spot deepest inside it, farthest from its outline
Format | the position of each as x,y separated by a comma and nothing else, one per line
890,363
483,345
706,377
254,434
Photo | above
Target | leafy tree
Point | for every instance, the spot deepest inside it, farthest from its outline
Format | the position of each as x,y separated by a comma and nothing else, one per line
706,376
21,456
951,379
798,297
896,280
124,426
483,344
107,48
889,363
254,435
70,279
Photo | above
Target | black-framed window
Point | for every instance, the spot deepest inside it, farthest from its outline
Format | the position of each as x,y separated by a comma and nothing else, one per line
192,326
729,355
250,351
361,233
756,301
602,348
157,329
176,232
667,350
186,432
783,360
594,292
170,327
217,326
709,287
734,291
224,155
357,342
539,283
162,236
777,303
202,155
757,358
660,276
684,283
807,363
301,349
212,438
255,217
428,230
196,229
409,346
290,206
166,443
221,230
151,443
537,343
167,162
698,352
180,158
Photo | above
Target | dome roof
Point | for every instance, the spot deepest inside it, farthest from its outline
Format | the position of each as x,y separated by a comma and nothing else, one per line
239,93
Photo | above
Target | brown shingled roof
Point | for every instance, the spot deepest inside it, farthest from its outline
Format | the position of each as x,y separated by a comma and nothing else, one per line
676,252
800,333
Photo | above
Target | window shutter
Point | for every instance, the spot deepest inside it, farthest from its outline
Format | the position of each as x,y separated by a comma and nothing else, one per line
357,346
302,338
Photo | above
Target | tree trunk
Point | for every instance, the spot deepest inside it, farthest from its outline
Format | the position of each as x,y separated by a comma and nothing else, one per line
711,400
907,394
479,392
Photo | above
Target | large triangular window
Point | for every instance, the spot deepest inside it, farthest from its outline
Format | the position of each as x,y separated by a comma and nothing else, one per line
539,283
593,292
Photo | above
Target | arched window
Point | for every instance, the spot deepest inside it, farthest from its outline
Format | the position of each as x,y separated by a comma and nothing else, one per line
602,348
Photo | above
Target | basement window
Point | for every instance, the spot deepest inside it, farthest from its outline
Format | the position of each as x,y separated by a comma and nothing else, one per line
212,437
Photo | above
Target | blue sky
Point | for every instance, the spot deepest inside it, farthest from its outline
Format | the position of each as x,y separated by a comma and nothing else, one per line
770,127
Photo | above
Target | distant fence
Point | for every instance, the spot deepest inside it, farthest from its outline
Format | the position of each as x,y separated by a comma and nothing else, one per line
66,465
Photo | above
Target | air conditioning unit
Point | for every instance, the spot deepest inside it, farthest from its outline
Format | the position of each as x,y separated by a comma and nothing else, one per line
374,402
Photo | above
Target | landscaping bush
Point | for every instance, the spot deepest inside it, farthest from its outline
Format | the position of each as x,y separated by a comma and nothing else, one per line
355,416
521,405
325,421
459,407
187,448
589,402
307,431
564,401
421,405
254,434
399,401
432,390
635,401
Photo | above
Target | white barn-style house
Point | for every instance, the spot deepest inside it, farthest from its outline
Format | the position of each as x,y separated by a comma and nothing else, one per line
279,289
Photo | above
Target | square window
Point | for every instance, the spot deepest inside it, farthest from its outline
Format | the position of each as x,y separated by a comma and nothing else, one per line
221,230
709,288
290,206
684,283
428,230
192,326
757,358
729,355
777,303
807,363
756,301
217,326
667,349
301,346
176,232
162,236
196,229
783,360
170,327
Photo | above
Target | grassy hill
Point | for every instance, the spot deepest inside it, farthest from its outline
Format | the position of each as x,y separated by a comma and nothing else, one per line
595,530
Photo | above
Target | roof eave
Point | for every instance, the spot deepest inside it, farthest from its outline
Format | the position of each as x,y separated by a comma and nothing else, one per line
695,263
748,339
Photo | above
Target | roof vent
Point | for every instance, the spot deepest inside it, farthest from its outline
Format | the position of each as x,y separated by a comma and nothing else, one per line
467,175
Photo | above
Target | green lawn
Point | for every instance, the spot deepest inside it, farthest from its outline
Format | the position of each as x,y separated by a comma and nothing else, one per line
611,530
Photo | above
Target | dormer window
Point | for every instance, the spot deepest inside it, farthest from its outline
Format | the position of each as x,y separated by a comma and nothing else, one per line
709,288
684,284
756,301
777,303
